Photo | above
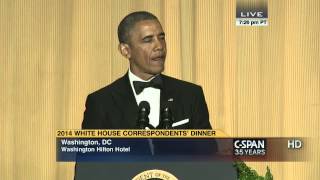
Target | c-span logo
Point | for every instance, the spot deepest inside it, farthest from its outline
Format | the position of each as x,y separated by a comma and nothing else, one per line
155,174
252,13
249,147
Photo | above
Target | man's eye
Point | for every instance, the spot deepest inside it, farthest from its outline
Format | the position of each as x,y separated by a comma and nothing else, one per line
162,37
147,39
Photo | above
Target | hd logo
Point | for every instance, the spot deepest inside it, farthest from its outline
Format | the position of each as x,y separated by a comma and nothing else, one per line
249,147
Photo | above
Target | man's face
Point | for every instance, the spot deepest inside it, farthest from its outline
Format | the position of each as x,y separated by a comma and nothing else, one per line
147,49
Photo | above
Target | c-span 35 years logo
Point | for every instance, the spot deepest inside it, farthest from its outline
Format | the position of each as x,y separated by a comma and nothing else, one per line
155,174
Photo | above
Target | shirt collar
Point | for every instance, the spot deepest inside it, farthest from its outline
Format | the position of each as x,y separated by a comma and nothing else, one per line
133,77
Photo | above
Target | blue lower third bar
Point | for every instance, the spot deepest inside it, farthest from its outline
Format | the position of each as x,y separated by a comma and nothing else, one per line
139,149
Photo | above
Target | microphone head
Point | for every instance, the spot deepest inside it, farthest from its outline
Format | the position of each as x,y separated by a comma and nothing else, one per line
144,110
144,106
166,119
166,110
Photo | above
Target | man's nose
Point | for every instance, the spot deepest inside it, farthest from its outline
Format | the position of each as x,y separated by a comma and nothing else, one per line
159,44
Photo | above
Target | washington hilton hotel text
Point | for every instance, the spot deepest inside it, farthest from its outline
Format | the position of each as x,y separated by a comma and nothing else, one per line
100,146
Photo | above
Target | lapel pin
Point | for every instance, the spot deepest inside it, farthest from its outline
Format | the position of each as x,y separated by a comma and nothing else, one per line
170,100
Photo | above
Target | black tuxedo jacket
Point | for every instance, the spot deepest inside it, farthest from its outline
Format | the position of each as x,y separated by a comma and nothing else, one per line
115,107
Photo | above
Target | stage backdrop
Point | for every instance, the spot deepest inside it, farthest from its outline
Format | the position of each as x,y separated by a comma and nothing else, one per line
258,81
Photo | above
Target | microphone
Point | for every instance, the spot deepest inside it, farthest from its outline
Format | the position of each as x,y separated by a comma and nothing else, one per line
143,119
166,118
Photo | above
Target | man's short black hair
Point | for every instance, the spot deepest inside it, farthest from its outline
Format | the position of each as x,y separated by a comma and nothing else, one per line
129,21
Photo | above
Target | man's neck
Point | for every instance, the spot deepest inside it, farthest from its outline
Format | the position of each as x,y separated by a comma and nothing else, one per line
143,76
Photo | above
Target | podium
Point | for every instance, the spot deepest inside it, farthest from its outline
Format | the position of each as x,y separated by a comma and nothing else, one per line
181,170
173,159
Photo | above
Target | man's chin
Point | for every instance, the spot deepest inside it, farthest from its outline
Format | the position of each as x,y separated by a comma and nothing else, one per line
157,71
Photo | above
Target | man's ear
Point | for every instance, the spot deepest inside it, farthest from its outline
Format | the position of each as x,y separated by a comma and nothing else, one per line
124,50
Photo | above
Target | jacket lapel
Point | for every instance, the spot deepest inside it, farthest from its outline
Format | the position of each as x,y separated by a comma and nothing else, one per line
127,102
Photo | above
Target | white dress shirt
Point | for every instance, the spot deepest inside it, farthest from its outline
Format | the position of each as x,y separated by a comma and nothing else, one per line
151,95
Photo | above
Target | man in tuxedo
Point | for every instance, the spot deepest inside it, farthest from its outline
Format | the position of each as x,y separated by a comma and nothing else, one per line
142,42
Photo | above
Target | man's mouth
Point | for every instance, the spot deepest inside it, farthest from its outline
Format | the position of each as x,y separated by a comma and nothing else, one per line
159,58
